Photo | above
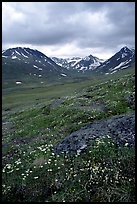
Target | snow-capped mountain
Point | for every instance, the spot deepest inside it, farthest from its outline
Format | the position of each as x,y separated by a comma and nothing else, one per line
25,61
123,59
66,62
81,64
88,63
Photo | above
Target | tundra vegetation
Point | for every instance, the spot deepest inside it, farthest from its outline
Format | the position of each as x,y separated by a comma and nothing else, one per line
35,118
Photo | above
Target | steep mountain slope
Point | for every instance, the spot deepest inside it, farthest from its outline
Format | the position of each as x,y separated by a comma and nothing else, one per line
125,58
25,62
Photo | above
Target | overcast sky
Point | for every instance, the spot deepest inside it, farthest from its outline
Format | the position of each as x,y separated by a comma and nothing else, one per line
66,29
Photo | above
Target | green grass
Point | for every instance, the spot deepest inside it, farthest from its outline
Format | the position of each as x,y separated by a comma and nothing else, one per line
41,116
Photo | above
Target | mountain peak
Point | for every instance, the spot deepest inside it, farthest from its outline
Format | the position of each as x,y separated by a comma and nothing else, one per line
123,59
21,62
23,51
125,49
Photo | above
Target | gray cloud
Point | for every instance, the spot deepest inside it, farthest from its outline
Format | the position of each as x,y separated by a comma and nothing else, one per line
99,25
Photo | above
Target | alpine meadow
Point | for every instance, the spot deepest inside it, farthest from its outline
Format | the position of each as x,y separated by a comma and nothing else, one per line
68,102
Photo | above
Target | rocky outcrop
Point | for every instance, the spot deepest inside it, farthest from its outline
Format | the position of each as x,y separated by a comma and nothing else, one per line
121,128
131,100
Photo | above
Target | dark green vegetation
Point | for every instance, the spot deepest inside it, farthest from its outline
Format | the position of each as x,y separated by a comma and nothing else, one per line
37,116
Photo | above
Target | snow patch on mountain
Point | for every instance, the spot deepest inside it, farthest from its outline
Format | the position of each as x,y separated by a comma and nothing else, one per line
63,75
26,51
35,66
87,58
24,55
18,82
120,65
83,68
113,72
17,52
124,54
13,57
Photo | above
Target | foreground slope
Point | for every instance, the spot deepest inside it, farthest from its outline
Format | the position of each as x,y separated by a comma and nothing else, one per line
35,120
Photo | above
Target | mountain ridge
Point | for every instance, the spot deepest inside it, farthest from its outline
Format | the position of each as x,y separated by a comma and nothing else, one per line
25,62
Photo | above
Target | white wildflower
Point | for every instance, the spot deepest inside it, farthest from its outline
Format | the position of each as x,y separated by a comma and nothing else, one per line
36,177
17,169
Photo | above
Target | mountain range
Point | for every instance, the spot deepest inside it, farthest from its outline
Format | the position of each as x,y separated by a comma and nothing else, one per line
20,62
123,59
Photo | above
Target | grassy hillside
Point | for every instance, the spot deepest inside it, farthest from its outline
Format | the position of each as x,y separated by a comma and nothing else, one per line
37,116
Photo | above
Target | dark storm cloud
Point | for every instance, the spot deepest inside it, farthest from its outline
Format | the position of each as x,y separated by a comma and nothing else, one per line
119,25
41,23
89,24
